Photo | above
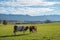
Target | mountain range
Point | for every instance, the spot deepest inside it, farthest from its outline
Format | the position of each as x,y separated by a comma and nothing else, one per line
29,18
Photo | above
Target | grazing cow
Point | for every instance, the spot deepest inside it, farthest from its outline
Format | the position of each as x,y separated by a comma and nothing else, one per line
33,28
20,28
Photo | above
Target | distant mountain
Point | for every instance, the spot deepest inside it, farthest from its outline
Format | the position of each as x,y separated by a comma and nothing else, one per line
29,18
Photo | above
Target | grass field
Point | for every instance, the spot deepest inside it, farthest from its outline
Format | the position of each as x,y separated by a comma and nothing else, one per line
50,31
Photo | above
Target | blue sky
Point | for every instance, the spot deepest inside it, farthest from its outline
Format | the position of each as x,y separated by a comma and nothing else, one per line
30,7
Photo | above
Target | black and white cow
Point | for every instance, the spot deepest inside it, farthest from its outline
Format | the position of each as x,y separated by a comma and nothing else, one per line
20,28
24,28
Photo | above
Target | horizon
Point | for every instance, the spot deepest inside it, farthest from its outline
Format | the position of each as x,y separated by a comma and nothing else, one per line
30,7
30,15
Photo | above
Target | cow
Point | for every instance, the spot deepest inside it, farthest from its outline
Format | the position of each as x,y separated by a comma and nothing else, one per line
20,28
24,29
33,29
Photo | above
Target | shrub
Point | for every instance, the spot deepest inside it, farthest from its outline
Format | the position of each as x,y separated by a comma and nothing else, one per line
5,22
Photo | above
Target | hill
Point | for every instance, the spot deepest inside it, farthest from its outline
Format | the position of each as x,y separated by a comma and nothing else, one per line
29,18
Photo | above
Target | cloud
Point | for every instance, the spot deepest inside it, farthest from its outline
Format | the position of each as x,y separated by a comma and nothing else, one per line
28,3
24,11
23,7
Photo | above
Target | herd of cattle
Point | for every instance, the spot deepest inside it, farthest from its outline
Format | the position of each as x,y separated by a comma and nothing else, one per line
24,29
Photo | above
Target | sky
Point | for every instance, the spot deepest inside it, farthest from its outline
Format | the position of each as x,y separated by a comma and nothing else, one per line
30,7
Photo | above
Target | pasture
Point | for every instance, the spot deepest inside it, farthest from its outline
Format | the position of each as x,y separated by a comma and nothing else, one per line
50,31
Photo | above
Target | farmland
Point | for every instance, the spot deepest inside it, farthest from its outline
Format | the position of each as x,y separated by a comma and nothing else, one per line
49,31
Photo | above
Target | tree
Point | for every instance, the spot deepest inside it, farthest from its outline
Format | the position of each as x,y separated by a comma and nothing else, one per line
5,22
0,21
47,21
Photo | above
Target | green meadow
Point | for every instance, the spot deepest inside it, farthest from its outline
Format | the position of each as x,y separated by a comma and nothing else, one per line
48,31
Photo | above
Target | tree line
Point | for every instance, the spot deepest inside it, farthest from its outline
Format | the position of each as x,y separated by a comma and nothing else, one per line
5,22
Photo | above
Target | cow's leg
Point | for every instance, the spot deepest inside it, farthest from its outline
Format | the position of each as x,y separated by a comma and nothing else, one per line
31,30
14,32
23,31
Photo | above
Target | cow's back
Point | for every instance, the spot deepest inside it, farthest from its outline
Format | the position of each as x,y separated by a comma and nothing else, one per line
19,28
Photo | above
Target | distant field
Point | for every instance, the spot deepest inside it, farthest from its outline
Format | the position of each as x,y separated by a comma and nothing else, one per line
50,31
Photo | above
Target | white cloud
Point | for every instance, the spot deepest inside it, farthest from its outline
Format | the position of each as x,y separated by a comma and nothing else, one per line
2,10
28,3
30,11
24,11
